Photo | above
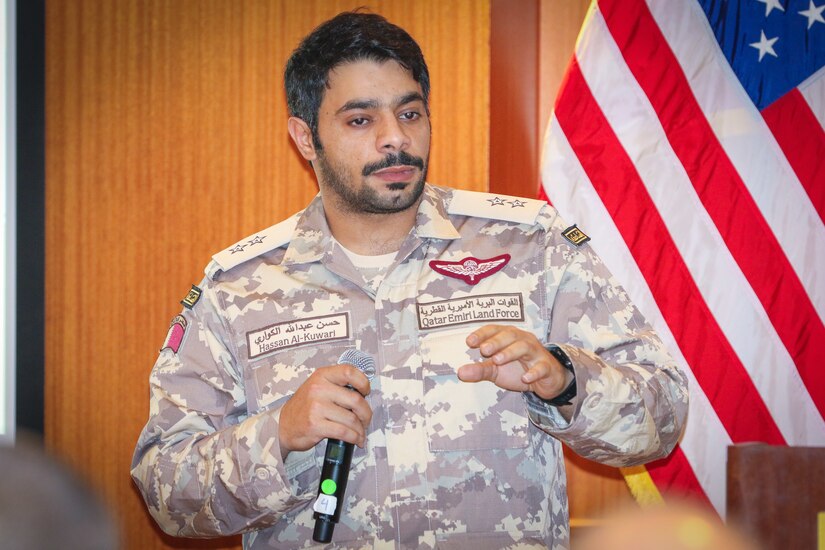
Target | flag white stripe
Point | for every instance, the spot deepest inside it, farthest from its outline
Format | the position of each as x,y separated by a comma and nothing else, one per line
705,441
813,90
733,304
748,142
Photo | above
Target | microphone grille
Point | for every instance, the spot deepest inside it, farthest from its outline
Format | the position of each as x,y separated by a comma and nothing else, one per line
360,360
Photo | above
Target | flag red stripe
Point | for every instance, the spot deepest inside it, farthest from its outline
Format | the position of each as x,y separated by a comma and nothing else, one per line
713,361
673,475
802,140
721,190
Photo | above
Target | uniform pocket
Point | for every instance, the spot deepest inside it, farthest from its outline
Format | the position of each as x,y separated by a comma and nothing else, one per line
462,416
278,376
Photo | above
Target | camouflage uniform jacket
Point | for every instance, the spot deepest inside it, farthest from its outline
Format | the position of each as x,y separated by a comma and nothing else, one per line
447,464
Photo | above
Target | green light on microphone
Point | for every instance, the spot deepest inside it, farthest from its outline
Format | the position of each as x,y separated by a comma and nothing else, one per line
328,487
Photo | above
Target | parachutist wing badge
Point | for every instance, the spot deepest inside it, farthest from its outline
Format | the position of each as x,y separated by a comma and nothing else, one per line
470,270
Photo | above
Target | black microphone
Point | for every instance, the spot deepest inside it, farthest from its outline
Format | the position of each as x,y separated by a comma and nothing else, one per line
337,460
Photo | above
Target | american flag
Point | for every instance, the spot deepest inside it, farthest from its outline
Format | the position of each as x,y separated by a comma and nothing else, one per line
687,140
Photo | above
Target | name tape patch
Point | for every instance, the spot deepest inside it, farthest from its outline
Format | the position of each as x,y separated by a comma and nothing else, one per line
470,309
295,333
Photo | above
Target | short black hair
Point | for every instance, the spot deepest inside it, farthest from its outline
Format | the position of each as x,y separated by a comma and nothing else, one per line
347,37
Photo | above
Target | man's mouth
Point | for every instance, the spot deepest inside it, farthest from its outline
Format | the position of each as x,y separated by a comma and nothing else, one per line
395,173
394,167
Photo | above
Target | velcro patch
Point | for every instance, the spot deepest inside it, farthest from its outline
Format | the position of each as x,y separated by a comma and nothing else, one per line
575,235
295,333
174,338
192,297
470,309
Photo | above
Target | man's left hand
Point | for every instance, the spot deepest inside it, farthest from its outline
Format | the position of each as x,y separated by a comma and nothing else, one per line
515,360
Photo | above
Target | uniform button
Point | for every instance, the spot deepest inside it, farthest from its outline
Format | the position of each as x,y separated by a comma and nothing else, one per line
262,474
595,401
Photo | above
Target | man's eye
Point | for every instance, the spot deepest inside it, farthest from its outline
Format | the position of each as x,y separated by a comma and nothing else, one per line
358,122
410,115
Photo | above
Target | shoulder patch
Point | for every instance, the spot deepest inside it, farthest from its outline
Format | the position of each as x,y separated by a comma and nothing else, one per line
495,206
575,235
192,297
257,244
174,338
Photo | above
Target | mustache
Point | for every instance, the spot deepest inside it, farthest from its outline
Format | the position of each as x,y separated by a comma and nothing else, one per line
401,159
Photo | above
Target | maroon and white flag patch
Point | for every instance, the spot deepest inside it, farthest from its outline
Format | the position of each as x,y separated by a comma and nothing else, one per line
177,330
470,270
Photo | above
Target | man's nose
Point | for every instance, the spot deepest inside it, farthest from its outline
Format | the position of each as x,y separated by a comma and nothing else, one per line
392,136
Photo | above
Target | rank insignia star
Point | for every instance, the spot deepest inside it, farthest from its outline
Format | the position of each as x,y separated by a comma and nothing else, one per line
256,240
237,248
470,270
515,203
496,201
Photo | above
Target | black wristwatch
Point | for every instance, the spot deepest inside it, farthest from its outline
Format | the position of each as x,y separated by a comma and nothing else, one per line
565,397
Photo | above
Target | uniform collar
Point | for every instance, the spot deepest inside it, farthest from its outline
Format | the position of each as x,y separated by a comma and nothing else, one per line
432,221
312,239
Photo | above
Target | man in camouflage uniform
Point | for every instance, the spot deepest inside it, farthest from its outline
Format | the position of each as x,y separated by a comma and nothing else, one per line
496,331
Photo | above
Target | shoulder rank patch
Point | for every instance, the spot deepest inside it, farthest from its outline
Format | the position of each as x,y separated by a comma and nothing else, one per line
192,297
575,235
495,207
257,244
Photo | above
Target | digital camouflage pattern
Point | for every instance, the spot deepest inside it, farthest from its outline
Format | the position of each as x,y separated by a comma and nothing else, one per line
447,464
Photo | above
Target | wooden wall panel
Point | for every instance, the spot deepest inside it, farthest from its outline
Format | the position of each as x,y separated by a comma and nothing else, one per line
514,97
166,141
559,25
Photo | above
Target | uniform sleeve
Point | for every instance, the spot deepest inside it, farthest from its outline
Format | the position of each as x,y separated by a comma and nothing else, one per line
204,467
632,399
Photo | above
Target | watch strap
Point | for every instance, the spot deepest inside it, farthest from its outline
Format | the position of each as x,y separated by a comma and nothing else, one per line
567,395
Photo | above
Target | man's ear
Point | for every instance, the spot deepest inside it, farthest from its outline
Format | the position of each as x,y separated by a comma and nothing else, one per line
302,136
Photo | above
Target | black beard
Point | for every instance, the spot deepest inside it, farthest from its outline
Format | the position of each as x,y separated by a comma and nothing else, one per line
365,199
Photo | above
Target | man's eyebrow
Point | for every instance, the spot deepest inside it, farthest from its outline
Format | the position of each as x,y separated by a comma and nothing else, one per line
363,104
409,98
358,104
